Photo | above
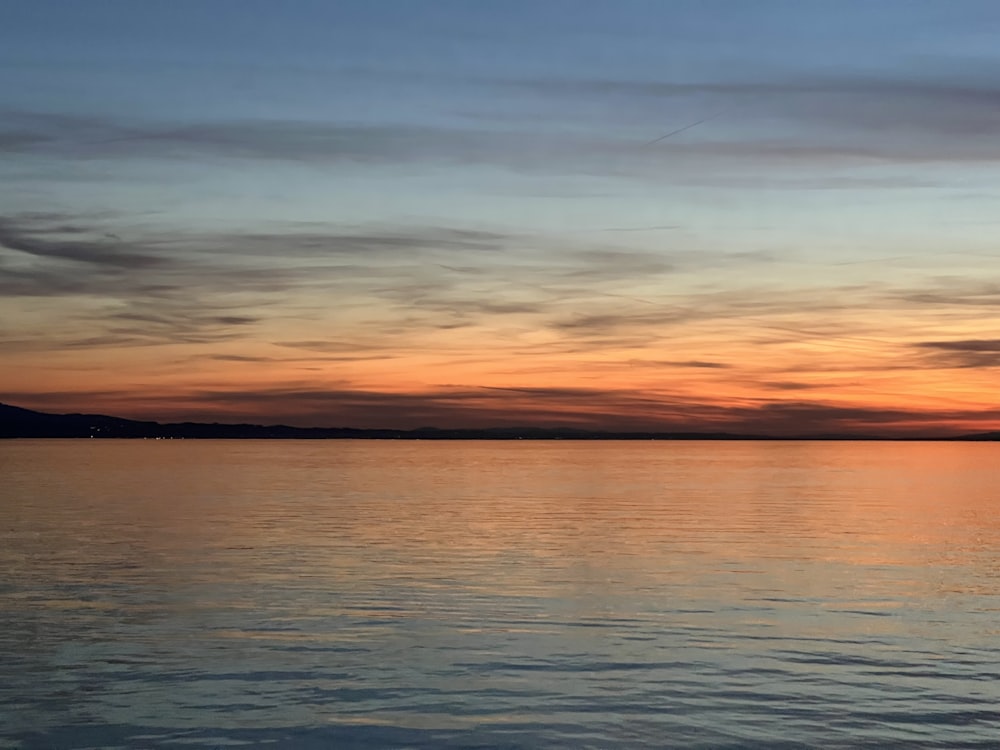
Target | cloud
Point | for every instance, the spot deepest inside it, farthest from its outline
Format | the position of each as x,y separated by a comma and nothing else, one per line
496,305
60,242
246,358
784,385
960,292
599,324
470,407
967,345
849,120
238,358
378,243
806,417
162,286
694,363
960,101
964,353
68,135
108,292
788,123
308,143
791,125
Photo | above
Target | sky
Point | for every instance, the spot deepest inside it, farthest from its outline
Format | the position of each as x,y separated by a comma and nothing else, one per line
748,215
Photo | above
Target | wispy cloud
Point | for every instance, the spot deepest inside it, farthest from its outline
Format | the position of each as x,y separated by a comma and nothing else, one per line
790,385
960,292
66,137
694,363
75,136
958,101
64,242
798,120
505,307
964,353
141,286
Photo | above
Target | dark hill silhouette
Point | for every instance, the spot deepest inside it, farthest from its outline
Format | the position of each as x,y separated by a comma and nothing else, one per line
16,422
981,436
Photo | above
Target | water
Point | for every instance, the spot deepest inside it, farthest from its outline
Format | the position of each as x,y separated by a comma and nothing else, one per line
367,594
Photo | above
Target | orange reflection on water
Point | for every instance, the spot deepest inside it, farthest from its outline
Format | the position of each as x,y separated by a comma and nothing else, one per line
534,519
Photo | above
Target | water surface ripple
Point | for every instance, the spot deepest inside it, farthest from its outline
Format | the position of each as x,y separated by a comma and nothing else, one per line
369,594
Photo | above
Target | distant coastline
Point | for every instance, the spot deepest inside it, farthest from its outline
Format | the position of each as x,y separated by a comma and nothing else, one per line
16,422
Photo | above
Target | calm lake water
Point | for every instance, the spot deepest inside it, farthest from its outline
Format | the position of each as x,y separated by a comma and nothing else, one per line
369,594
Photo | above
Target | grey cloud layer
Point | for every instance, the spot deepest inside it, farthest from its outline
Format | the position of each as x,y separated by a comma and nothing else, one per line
964,353
63,242
855,121
594,408
964,102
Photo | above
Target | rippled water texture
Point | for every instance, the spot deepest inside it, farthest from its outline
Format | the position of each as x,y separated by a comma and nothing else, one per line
489,594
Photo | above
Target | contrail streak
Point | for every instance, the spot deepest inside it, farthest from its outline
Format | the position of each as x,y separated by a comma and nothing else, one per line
672,133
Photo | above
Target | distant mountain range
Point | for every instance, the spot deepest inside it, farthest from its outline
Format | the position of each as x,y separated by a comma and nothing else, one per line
16,422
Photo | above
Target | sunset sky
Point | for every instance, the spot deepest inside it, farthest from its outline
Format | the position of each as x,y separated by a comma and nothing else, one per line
381,213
